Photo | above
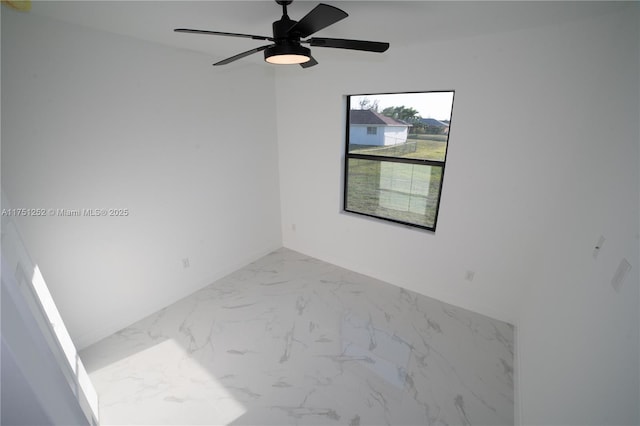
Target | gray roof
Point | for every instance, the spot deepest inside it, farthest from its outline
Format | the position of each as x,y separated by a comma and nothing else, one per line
433,122
370,117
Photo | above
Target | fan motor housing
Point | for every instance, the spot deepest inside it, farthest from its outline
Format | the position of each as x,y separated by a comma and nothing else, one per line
281,28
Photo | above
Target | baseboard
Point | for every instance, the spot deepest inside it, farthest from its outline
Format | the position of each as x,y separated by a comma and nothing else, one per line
517,377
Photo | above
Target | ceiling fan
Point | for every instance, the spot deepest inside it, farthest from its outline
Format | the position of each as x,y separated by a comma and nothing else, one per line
288,37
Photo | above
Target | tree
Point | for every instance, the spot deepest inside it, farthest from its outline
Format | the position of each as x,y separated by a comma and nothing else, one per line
403,113
365,103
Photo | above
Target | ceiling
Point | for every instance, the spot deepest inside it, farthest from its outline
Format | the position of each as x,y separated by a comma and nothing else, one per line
399,22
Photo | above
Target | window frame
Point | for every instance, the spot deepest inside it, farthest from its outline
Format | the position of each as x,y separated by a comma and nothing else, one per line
383,158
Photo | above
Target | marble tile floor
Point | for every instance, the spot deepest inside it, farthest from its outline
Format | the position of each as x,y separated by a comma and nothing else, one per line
291,340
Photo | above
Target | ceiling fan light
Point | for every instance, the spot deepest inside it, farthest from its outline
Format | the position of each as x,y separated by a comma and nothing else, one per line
287,54
287,59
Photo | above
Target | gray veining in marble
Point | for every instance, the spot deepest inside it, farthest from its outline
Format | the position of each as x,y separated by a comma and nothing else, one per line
292,340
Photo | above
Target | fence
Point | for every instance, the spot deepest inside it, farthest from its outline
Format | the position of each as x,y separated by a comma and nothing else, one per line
397,150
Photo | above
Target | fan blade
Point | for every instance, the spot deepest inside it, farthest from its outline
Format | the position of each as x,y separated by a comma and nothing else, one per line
254,37
340,43
311,62
320,17
241,55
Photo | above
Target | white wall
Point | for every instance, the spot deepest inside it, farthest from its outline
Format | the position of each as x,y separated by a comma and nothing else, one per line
578,336
96,120
385,135
394,135
522,206
358,135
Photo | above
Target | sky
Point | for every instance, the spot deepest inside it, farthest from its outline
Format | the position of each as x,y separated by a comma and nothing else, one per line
436,105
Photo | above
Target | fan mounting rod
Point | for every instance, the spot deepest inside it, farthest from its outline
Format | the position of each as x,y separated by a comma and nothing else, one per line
284,4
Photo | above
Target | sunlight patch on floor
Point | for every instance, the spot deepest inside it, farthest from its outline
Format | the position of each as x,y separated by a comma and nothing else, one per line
156,386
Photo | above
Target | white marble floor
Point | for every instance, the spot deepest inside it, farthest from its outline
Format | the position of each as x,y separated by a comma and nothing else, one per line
292,340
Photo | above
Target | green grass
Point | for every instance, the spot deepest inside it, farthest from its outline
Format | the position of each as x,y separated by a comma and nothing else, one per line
367,194
428,149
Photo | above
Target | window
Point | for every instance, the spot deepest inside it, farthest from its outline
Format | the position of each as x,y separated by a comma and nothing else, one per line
397,175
